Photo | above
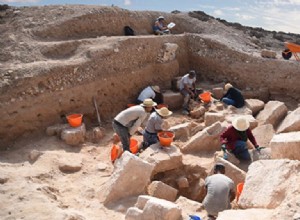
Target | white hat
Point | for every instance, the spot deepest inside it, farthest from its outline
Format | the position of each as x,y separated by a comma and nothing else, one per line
156,89
240,123
228,86
164,112
160,17
148,103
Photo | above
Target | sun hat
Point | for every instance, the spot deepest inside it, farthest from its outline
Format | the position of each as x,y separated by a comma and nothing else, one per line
164,112
156,89
160,17
148,103
240,123
228,86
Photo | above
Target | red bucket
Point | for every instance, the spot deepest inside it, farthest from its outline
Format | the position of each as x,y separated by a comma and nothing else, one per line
205,97
75,120
166,138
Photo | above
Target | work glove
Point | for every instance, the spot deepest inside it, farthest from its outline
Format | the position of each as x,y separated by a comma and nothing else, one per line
258,148
225,156
223,147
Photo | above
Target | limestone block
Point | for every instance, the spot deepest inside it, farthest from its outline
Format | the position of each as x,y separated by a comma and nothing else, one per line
161,190
70,164
255,105
174,100
273,113
218,92
212,117
263,134
169,52
248,214
56,129
197,128
188,206
231,158
197,112
205,140
163,159
142,200
291,122
269,182
182,131
134,213
130,178
160,209
34,155
232,171
286,145
263,154
268,54
74,136
182,182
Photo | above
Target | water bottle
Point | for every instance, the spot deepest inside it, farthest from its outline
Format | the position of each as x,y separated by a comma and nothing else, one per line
194,217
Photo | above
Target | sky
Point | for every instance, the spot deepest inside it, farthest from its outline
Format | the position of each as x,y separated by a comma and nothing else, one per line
272,15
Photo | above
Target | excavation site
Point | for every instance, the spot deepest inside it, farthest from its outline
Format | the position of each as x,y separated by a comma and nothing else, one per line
65,60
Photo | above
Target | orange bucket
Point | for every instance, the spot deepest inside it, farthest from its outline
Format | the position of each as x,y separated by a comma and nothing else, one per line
134,146
166,138
159,106
205,97
239,189
75,120
115,153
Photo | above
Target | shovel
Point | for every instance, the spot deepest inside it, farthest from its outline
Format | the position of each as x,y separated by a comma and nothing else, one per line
97,111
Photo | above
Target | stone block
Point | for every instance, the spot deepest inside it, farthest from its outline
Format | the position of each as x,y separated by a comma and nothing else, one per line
255,105
263,134
273,113
74,136
217,92
197,112
291,122
134,213
182,182
268,54
286,145
130,178
163,159
269,183
182,131
205,140
212,117
189,206
161,190
174,100
70,163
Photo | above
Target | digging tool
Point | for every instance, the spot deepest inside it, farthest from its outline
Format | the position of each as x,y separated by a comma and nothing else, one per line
97,111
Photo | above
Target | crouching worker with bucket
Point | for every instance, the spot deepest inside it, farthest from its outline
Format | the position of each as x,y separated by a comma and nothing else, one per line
154,125
127,122
234,139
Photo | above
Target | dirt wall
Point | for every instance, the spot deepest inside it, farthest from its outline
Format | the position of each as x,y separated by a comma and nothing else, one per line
114,75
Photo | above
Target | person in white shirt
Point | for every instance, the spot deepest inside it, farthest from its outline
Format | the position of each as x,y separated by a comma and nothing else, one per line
150,92
127,122
187,88
154,125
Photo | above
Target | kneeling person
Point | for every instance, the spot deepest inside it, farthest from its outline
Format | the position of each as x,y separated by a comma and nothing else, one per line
154,125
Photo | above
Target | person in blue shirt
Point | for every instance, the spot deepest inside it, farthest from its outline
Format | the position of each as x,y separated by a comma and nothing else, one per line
160,26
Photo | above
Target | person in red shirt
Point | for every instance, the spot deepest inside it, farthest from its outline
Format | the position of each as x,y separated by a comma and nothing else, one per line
234,139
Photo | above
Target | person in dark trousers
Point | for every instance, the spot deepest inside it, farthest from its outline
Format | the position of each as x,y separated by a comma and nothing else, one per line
219,192
127,122
234,139
233,96
160,27
187,89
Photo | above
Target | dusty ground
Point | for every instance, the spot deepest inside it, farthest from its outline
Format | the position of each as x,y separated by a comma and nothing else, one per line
55,58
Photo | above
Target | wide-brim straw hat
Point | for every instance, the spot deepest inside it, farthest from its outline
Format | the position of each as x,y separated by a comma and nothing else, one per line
156,89
148,103
228,86
164,112
240,123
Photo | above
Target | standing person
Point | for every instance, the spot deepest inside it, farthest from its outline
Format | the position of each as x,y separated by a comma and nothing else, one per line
150,92
160,26
126,123
233,96
154,125
187,88
219,192
234,139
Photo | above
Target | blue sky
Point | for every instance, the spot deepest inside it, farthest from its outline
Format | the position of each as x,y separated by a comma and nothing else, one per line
278,15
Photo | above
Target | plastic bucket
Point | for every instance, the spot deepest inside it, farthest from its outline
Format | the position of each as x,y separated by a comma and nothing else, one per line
159,106
134,146
115,153
205,97
75,120
239,189
166,138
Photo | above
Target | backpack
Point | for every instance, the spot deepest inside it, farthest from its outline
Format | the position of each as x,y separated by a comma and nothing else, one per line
128,31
